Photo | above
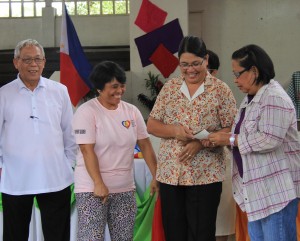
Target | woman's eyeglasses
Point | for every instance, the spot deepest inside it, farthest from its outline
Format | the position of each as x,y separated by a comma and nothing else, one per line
238,74
195,64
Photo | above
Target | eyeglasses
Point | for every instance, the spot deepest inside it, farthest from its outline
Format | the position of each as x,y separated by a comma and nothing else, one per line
238,74
29,60
195,64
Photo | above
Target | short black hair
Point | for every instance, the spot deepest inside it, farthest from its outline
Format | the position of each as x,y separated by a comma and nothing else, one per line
213,60
253,55
192,44
105,72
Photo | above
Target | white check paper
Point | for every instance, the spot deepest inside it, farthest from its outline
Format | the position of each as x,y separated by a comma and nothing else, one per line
202,135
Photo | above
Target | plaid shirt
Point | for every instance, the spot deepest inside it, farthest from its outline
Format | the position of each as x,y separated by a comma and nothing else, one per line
270,150
294,91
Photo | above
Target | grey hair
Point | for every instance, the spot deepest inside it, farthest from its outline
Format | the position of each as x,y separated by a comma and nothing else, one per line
27,42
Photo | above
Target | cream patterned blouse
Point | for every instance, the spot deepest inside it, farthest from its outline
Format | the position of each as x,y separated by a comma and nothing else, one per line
212,108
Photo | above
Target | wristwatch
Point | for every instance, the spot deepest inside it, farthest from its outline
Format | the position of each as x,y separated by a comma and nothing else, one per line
231,140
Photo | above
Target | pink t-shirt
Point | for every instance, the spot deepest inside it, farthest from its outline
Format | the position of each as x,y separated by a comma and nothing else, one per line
115,133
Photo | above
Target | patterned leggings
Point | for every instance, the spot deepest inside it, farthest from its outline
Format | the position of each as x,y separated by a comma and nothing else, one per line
119,212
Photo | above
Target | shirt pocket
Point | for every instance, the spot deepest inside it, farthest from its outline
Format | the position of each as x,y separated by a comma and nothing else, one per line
251,126
175,114
52,113
207,116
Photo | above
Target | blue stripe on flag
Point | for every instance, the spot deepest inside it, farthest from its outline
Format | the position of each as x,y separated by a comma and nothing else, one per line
76,53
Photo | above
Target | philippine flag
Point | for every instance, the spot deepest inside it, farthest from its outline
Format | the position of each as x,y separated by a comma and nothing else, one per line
74,66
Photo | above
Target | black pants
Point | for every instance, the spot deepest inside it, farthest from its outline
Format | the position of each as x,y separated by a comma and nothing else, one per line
189,212
55,214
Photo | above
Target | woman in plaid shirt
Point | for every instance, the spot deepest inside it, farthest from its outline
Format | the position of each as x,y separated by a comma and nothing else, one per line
266,149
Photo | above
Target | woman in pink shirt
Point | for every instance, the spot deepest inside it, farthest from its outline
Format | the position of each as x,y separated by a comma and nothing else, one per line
107,130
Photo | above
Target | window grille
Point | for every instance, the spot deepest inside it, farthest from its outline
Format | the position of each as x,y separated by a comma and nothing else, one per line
33,8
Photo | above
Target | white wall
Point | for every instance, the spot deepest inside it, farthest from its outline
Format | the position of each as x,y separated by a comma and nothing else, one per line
92,31
15,30
177,9
228,25
99,31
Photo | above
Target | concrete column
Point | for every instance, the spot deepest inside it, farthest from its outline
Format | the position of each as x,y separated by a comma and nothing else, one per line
48,25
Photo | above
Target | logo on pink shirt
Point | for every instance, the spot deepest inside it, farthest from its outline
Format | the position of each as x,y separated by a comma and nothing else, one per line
126,123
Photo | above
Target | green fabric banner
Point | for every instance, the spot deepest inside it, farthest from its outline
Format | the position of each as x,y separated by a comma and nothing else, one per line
144,217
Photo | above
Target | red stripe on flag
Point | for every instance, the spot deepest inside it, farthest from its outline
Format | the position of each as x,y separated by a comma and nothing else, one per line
70,78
